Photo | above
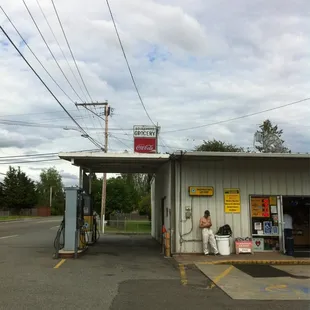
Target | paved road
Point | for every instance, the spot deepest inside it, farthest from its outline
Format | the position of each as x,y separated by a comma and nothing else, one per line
120,272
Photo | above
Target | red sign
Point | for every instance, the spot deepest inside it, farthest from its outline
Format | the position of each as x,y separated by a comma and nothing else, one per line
145,145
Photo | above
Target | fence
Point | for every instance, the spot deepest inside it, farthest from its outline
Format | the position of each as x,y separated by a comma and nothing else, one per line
40,211
128,226
128,217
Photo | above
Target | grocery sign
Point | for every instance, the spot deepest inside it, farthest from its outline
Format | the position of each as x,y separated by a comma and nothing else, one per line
145,139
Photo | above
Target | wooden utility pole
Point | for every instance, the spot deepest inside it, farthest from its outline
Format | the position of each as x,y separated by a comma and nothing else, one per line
104,182
107,113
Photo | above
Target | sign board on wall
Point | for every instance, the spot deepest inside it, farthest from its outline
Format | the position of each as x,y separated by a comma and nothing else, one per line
145,139
232,203
260,207
201,190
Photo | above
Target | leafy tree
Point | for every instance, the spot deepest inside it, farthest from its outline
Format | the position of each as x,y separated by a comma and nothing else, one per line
269,137
144,206
141,182
217,146
1,196
51,182
96,189
124,193
121,196
18,190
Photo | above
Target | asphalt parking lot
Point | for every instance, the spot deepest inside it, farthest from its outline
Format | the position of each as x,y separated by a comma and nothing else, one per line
260,282
120,272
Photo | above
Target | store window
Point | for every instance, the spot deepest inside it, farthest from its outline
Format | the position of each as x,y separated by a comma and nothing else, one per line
265,224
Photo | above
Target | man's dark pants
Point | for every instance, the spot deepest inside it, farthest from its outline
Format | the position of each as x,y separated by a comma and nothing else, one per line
289,242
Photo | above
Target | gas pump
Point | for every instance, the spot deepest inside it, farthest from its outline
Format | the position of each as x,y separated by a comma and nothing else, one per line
72,229
80,222
91,225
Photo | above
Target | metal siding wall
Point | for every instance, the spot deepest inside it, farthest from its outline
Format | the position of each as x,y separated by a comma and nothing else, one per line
162,188
252,176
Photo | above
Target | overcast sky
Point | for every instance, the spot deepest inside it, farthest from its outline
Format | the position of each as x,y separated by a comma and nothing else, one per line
195,63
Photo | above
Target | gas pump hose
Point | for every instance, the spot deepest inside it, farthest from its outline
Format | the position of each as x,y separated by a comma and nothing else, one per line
60,232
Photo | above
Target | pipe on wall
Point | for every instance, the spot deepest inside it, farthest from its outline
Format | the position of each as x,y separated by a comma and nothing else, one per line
181,221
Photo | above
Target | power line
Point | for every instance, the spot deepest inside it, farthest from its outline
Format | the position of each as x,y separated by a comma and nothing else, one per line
37,113
34,71
32,124
239,117
120,140
25,42
77,68
63,54
131,140
74,60
29,161
51,51
40,154
128,66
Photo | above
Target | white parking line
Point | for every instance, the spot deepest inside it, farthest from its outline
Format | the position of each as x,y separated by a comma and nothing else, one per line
54,227
46,221
6,237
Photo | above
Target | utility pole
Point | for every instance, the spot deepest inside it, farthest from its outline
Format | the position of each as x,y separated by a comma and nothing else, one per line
107,113
157,132
51,196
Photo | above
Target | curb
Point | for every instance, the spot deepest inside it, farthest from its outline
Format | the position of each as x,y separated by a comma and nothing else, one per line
17,220
256,262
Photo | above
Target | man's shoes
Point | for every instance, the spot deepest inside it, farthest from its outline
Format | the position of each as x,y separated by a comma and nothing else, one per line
216,254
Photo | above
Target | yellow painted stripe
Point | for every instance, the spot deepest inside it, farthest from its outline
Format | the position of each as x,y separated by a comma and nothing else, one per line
221,276
254,262
59,264
183,274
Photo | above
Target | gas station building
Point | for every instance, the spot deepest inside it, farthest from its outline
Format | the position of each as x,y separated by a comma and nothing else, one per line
248,191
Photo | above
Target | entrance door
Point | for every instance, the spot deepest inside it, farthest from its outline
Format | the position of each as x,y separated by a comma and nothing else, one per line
281,224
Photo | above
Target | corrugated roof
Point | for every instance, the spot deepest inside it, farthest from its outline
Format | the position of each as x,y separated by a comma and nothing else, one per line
116,162
243,154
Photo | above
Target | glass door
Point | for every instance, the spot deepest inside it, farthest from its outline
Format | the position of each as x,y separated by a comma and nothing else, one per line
281,224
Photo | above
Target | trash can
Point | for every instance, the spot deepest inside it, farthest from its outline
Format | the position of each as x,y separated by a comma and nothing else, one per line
223,244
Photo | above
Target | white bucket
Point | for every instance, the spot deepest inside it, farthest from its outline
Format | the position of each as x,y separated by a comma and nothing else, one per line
223,244
89,236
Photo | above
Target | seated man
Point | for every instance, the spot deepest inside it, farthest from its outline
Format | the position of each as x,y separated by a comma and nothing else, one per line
207,234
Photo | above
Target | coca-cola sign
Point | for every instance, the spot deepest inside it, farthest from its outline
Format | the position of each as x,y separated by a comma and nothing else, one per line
145,145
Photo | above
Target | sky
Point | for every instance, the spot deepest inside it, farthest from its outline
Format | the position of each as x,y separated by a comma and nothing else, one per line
195,63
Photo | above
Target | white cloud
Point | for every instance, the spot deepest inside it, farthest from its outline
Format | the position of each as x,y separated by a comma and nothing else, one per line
195,63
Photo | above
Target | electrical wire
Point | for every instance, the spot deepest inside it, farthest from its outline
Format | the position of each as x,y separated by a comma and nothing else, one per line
41,154
37,113
131,140
127,62
34,71
119,140
30,161
65,36
32,124
239,117
35,23
25,42
63,54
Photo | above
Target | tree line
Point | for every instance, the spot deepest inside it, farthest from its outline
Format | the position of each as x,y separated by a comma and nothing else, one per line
126,192
18,191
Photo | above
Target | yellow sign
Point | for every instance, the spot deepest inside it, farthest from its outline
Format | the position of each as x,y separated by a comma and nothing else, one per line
201,191
273,200
232,201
